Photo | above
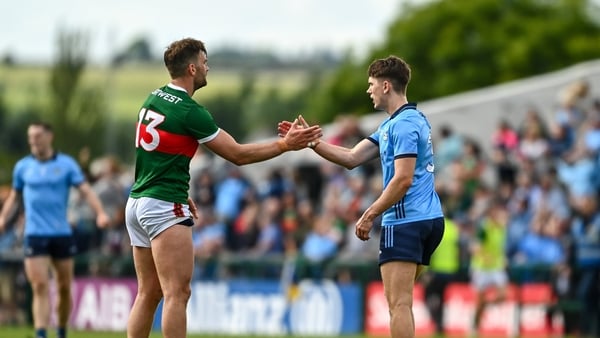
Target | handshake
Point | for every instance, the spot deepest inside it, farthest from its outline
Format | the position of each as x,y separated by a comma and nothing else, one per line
310,135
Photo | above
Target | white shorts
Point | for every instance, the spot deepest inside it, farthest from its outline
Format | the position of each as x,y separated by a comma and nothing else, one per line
482,280
147,217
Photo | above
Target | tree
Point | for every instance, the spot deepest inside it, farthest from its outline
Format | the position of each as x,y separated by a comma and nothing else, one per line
75,111
459,45
140,50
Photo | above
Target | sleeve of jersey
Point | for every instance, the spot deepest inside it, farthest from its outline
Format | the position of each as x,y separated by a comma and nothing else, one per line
374,137
404,135
18,182
201,124
75,173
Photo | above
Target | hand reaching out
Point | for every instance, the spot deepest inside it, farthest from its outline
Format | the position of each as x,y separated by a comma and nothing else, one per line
284,127
298,134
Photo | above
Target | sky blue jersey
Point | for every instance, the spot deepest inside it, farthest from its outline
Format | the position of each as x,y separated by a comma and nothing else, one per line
45,187
407,133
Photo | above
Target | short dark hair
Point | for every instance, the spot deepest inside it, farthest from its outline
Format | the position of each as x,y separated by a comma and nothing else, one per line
180,54
392,68
44,125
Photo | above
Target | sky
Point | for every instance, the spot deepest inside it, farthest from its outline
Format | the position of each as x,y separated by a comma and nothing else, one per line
29,28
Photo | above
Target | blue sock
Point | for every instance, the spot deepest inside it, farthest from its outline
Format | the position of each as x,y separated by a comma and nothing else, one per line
61,332
40,333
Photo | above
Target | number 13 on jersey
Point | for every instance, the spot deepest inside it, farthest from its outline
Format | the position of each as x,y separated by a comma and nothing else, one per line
146,135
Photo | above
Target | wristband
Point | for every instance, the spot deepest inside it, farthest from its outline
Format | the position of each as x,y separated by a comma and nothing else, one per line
282,146
313,144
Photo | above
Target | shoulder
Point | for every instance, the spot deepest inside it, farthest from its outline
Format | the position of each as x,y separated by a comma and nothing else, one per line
27,161
62,157
408,121
66,160
24,161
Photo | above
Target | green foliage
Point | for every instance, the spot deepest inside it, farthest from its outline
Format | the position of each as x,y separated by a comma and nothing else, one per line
251,109
454,46
343,92
13,142
227,108
459,45
75,111
140,50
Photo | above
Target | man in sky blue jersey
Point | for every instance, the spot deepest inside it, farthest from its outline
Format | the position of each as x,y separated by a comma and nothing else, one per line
43,180
412,218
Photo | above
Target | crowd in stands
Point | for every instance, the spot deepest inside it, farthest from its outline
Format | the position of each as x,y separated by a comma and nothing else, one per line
540,181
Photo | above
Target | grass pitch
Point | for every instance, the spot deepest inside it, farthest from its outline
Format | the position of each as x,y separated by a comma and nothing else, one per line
27,332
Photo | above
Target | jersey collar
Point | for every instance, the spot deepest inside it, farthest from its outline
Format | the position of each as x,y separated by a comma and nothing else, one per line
406,106
49,159
172,86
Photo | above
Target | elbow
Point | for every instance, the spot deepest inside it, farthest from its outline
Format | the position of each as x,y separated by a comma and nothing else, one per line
239,161
350,164
405,183
242,160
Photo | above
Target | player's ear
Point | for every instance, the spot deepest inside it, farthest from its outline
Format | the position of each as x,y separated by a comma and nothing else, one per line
191,68
387,86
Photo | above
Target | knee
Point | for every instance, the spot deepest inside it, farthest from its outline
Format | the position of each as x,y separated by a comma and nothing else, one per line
399,311
64,290
400,306
39,287
182,292
153,294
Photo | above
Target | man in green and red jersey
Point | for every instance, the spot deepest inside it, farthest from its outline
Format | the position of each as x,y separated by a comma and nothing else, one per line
159,212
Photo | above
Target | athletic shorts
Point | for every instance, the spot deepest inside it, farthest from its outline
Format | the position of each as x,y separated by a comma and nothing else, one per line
147,217
411,242
482,280
58,247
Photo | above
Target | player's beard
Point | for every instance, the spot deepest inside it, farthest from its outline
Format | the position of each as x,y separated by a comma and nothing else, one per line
200,82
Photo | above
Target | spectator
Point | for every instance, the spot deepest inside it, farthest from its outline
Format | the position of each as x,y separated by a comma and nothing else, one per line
520,217
321,245
505,137
231,191
469,169
548,195
585,229
269,238
533,119
488,261
208,238
573,108
448,149
444,269
560,140
505,167
533,145
275,185
242,231
580,175
203,188
110,191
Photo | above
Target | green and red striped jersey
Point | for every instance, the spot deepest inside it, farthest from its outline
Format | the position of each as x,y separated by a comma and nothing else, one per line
170,126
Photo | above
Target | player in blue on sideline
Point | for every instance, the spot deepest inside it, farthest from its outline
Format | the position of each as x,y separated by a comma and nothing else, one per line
43,181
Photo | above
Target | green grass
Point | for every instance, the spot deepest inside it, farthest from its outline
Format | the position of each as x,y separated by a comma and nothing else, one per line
128,86
27,332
